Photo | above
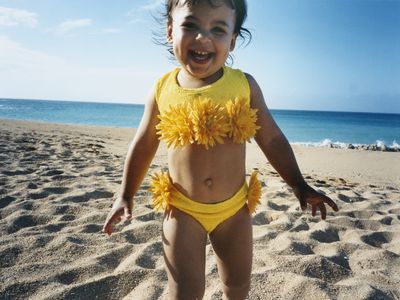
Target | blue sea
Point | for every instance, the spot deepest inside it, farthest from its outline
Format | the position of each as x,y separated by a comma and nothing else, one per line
304,127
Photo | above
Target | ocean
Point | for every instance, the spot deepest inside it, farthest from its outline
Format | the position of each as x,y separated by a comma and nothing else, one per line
316,128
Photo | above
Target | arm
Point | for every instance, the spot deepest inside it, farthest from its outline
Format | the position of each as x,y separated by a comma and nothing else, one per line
277,149
140,154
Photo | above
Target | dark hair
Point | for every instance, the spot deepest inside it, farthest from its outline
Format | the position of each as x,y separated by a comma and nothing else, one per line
240,7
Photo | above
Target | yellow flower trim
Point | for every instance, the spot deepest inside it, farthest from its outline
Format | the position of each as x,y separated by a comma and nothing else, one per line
254,193
161,189
175,126
209,123
242,119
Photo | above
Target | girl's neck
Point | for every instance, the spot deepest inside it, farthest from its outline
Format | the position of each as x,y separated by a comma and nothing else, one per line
185,80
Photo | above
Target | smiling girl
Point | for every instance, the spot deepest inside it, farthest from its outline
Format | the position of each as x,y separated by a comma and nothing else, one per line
206,111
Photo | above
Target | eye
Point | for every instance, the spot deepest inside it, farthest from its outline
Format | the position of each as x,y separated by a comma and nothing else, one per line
219,30
189,25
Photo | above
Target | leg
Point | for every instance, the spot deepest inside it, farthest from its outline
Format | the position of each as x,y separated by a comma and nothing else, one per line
184,241
233,245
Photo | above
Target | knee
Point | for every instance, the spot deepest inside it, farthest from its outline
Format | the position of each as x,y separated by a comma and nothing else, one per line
237,291
185,290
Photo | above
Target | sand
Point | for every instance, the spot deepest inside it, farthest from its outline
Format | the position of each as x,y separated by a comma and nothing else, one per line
57,183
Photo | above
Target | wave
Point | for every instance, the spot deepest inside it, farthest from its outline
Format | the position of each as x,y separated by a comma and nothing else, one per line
327,143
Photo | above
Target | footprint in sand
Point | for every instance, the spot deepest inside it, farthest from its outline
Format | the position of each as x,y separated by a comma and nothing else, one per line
278,207
67,218
112,259
325,235
91,228
57,190
150,255
140,234
7,200
94,195
324,269
151,216
63,177
9,256
66,210
53,228
377,239
386,220
299,225
39,195
25,221
18,172
261,218
68,277
52,173
104,286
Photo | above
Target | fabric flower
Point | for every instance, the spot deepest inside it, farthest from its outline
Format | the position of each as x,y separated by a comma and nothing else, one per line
161,189
210,124
254,193
242,120
175,126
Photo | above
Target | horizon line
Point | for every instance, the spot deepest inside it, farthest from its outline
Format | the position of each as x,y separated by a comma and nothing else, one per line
130,103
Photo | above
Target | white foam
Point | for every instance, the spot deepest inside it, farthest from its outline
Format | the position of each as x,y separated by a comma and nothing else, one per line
327,143
380,144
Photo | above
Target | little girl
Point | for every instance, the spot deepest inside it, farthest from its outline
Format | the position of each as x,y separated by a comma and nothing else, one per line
205,112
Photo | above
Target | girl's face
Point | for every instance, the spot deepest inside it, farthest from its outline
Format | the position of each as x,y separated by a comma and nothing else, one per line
201,37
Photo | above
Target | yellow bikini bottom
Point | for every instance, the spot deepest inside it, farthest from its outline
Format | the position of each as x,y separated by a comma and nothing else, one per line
209,216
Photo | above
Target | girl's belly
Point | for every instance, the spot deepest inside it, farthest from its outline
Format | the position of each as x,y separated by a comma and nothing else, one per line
208,176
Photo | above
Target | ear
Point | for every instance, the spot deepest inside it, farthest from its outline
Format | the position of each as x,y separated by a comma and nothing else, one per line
233,42
169,33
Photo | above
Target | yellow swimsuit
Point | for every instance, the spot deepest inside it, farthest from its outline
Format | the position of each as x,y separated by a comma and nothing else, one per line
205,116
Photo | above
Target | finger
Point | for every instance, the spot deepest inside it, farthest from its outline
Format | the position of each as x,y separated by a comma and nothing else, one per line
112,216
303,204
313,210
330,202
323,211
109,217
106,224
107,229
128,213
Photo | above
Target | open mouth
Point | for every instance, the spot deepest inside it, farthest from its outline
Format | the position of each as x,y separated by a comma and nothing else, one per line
200,57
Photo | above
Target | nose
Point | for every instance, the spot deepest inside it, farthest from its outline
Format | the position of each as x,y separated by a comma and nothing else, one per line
202,36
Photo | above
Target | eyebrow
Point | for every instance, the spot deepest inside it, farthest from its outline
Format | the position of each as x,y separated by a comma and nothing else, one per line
218,22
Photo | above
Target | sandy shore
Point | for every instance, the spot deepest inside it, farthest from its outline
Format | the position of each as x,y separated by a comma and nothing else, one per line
57,183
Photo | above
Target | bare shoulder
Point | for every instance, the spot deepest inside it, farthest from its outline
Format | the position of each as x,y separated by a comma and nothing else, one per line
256,95
252,82
268,127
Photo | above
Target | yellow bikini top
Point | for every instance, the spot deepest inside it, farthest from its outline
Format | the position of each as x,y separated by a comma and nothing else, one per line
208,114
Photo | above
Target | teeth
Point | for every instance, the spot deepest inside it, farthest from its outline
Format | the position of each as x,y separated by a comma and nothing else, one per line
201,53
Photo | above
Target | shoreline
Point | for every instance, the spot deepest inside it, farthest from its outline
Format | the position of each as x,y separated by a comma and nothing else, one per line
326,143
353,165
379,146
58,182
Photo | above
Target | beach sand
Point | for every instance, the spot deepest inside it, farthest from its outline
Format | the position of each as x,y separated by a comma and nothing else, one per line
57,183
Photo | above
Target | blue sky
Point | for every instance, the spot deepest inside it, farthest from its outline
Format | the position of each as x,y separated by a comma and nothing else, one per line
306,54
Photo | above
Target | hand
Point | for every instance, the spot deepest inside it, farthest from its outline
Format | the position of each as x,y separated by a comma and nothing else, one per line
121,209
307,195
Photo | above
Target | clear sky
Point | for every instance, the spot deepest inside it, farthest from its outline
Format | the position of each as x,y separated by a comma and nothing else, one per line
306,54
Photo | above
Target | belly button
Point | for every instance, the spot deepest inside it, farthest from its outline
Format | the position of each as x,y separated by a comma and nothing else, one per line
208,182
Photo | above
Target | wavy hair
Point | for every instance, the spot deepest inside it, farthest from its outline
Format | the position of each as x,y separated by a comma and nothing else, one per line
240,7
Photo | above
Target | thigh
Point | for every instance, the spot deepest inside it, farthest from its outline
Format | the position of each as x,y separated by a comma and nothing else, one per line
184,241
232,241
